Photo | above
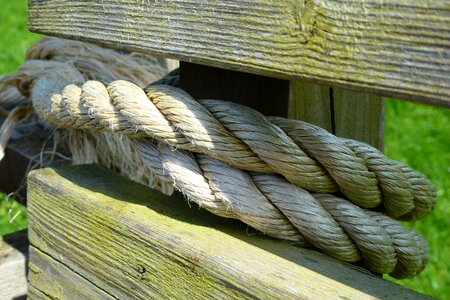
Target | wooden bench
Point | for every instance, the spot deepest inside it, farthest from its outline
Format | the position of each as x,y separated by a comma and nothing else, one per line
96,235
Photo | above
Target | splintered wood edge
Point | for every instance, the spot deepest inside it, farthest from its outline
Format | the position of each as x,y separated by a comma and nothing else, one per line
393,48
130,241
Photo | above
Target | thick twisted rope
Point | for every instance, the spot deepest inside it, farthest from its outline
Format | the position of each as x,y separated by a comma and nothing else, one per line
222,138
267,202
305,154
271,204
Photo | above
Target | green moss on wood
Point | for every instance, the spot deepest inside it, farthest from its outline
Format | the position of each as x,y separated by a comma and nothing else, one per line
130,241
389,48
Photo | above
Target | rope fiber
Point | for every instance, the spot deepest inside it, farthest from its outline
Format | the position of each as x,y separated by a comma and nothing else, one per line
286,178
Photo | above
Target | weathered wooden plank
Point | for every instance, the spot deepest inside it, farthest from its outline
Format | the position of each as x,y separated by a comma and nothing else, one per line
268,95
131,241
311,103
35,294
359,116
13,265
391,47
54,278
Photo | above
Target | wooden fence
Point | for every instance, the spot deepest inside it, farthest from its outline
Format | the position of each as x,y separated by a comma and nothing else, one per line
94,234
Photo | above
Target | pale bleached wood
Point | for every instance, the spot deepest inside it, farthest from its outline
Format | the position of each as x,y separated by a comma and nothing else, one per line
53,278
172,64
393,47
359,116
133,242
13,264
311,103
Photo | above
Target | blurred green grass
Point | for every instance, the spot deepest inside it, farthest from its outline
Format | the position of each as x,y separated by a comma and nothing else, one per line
416,134
419,135
14,35
14,41
13,215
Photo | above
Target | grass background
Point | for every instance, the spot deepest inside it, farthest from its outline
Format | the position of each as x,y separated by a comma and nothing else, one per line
416,134
14,41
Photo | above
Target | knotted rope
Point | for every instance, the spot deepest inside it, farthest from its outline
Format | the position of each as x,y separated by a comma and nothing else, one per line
224,157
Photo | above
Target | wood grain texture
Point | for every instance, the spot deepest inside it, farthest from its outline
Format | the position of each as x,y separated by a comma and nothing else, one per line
359,116
13,265
35,294
51,277
311,103
345,113
392,47
130,241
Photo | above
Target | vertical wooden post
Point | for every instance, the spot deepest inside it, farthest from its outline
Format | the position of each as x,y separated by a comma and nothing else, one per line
342,112
311,103
268,95
345,113
359,116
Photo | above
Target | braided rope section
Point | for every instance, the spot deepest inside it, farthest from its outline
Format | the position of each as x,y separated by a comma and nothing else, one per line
274,174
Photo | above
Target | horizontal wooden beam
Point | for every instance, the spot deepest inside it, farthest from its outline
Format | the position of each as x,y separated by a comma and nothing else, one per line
123,240
391,47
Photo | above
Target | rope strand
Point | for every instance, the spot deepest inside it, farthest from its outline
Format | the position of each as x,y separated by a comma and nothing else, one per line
326,163
225,156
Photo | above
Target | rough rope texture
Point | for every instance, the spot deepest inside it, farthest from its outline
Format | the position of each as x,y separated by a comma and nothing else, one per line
223,156
304,154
